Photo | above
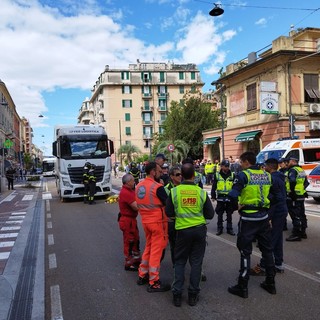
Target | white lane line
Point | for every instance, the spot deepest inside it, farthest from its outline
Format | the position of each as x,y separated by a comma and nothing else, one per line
50,240
18,213
56,309
4,255
49,225
48,215
10,228
52,261
6,244
27,197
8,235
46,196
48,205
258,254
14,222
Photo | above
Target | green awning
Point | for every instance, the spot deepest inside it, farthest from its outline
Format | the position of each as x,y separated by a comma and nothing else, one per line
211,140
247,136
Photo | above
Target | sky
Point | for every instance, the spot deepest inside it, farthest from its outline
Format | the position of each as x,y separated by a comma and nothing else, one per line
53,51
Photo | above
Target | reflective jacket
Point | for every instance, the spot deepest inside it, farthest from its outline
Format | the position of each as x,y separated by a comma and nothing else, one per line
188,201
254,197
224,186
299,188
150,207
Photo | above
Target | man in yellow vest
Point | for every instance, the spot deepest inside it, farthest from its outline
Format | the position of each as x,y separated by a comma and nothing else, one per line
190,206
251,187
221,186
296,184
208,170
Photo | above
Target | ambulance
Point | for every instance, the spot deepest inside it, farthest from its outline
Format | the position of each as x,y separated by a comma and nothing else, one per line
306,150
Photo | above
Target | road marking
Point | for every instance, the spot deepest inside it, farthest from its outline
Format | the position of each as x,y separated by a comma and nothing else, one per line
10,228
48,215
52,261
18,213
49,225
50,240
8,235
27,197
4,255
48,205
46,196
8,198
16,217
56,309
6,244
14,222
258,254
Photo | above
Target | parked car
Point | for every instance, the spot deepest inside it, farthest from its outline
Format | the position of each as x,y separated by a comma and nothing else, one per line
313,188
39,171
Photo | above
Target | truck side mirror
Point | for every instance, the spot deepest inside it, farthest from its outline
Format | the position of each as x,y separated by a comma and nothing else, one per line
111,147
54,148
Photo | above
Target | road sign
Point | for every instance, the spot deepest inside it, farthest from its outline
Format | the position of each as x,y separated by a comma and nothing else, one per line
171,147
8,143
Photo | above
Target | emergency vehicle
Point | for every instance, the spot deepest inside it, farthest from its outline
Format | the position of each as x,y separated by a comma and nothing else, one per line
307,151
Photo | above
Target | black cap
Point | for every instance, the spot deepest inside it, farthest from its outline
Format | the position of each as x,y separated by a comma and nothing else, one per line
162,156
293,158
225,163
272,161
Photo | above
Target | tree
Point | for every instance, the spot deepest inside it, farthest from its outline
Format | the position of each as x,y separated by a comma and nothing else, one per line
129,150
27,159
187,121
181,150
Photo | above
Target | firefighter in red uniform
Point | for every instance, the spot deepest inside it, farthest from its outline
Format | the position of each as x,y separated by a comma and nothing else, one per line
151,199
128,223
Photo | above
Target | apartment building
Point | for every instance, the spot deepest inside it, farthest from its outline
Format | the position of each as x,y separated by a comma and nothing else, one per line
133,103
271,96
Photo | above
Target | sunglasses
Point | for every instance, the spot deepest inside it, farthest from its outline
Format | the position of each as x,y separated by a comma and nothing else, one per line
177,175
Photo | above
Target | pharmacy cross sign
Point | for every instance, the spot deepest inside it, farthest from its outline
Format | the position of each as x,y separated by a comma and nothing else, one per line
8,143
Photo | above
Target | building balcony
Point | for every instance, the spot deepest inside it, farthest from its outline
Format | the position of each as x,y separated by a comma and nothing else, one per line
162,109
147,122
147,136
163,95
101,112
146,109
146,95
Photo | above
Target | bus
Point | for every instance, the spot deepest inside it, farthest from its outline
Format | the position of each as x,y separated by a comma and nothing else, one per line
48,166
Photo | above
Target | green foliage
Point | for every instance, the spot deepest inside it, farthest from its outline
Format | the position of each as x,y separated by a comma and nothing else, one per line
186,122
27,160
128,152
180,152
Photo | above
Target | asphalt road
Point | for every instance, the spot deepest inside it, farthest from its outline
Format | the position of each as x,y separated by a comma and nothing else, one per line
85,279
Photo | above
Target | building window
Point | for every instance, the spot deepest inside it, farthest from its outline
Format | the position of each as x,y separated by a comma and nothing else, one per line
147,132
146,105
127,116
146,76
146,90
311,88
126,89
162,90
181,102
146,117
161,130
128,143
162,76
128,131
181,89
162,105
125,75
126,103
181,75
193,75
252,97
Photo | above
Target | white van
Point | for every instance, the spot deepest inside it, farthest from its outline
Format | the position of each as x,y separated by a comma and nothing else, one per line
306,150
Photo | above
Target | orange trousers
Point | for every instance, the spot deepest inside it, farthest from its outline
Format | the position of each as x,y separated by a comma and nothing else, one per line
156,241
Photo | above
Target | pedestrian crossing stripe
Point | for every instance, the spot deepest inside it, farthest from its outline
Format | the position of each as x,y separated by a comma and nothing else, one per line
16,217
4,255
10,228
27,197
18,213
14,222
8,235
6,244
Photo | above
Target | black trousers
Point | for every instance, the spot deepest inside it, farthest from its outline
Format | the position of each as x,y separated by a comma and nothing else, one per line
224,206
92,191
10,183
248,231
190,245
298,215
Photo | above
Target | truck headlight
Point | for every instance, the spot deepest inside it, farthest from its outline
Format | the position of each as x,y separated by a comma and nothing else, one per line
66,183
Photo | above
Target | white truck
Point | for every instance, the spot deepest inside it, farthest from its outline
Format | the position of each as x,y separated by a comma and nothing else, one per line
306,150
75,145
48,166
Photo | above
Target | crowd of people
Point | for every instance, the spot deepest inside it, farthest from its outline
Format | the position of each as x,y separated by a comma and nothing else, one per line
174,209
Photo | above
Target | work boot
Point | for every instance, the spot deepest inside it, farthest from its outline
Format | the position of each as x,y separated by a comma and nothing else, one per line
131,268
231,232
240,289
157,286
269,285
143,280
177,299
219,232
193,298
303,234
293,237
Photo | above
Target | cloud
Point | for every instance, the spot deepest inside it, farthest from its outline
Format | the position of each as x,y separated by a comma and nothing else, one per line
261,22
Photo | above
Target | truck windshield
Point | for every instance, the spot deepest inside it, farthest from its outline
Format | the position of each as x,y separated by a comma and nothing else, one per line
265,155
86,148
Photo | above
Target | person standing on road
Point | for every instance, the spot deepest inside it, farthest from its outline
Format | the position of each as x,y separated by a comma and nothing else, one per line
296,184
221,186
277,216
151,198
252,186
92,184
10,173
190,206
128,223
135,172
208,169
85,181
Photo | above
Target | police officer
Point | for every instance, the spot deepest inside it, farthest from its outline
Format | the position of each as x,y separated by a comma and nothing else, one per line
208,170
85,181
252,186
296,184
92,184
190,206
221,186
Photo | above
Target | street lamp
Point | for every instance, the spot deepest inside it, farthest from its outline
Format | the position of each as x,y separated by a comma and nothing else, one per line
215,83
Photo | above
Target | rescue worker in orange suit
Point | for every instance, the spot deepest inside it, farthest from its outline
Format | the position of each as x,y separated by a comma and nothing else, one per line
191,206
92,184
151,199
128,223
85,181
